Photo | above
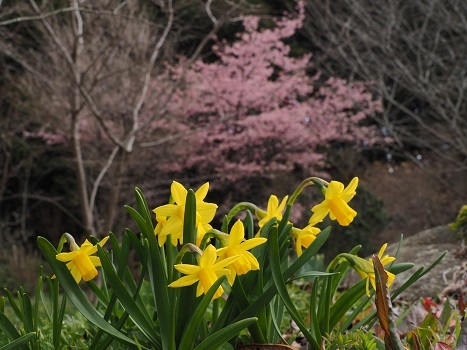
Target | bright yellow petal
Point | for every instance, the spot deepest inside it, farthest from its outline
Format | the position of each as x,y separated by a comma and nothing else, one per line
201,192
231,276
85,267
350,190
166,210
75,273
174,226
178,193
187,269
207,211
334,189
273,203
209,257
253,242
225,262
341,211
237,234
103,241
307,240
281,206
381,250
319,212
298,246
199,289
64,257
391,278
184,281
387,260
252,260
95,261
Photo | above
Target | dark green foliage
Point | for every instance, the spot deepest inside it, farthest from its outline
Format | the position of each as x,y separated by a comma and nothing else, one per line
358,340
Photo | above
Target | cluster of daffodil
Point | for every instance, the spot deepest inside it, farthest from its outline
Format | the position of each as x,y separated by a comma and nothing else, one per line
241,270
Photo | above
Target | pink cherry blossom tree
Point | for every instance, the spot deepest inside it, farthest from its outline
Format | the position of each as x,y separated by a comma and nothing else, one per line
260,112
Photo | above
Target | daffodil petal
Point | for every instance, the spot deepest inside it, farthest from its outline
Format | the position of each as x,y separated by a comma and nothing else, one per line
187,269
95,260
231,276
350,191
273,203
199,289
237,234
64,257
334,189
103,241
201,192
184,281
281,206
252,242
166,210
75,273
207,211
178,193
209,257
224,262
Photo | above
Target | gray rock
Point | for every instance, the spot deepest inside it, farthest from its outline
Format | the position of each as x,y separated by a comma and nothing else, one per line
423,249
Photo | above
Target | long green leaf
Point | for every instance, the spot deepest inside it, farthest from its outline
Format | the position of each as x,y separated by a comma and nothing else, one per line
75,294
282,288
270,292
20,342
8,328
157,271
187,294
220,337
26,306
14,305
197,317
140,316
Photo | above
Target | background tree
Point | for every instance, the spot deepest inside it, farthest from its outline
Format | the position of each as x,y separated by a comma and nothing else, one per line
261,112
414,52
84,69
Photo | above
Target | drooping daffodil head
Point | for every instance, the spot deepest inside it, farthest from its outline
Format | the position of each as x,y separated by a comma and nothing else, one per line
336,199
304,237
366,269
173,214
274,210
238,246
80,261
206,273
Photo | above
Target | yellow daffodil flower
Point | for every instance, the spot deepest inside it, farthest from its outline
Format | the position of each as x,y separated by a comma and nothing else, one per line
304,237
274,210
205,273
80,262
237,246
366,269
174,214
335,203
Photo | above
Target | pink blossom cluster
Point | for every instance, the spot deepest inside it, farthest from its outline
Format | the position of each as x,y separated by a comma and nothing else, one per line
267,113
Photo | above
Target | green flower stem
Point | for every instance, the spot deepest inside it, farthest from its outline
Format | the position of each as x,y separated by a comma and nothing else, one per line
170,269
213,233
320,183
240,207
189,247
